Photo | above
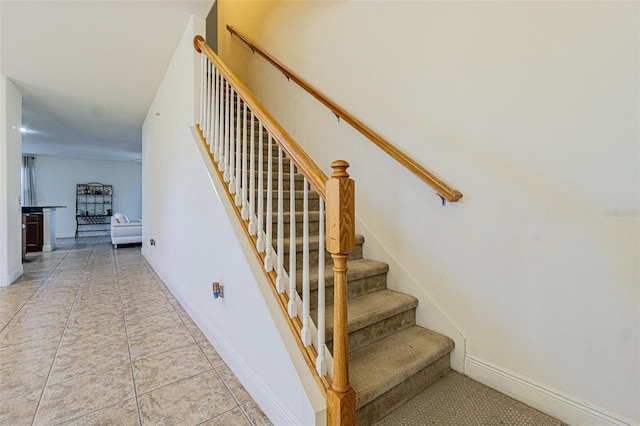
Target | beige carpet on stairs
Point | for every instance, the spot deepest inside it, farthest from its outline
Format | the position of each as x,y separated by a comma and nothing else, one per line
456,400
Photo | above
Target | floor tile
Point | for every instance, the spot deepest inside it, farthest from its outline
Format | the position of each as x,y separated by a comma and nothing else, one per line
75,339
22,380
234,385
168,367
70,328
19,410
85,394
91,359
142,309
152,323
235,417
158,342
189,401
124,413
212,355
255,414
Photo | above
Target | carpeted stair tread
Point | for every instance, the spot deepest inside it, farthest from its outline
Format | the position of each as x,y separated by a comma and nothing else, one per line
381,366
370,308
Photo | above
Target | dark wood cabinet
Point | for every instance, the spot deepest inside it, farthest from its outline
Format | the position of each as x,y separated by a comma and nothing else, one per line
34,234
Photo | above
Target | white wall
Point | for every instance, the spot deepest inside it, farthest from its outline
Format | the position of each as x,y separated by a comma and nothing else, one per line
10,212
531,110
196,244
57,177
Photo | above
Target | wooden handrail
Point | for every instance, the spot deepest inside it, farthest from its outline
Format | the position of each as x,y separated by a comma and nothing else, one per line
316,177
444,190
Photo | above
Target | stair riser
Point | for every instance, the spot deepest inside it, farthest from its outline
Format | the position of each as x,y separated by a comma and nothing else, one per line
298,184
313,229
314,204
355,288
265,164
377,331
393,398
313,256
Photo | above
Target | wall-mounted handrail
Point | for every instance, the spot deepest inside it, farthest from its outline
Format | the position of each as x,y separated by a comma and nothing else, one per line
317,178
441,188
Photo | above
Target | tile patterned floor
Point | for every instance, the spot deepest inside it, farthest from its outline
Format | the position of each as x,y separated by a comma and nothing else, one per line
90,335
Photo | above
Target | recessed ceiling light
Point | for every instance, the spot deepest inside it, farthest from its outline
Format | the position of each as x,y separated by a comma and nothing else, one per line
23,130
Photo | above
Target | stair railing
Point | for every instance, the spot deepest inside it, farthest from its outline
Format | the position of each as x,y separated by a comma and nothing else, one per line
442,189
238,132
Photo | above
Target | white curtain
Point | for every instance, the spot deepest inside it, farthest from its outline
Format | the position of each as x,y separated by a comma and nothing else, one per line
28,179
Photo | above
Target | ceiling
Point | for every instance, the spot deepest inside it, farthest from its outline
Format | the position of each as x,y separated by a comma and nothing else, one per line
88,70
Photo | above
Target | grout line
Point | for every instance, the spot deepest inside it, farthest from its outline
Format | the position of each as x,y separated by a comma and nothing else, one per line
126,330
53,361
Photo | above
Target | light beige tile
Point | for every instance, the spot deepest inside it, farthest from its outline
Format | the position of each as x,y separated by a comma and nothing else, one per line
76,339
19,410
43,320
85,394
152,323
34,352
93,319
235,417
234,385
189,401
141,310
168,367
212,355
124,413
18,335
197,334
91,359
114,308
255,414
22,379
158,342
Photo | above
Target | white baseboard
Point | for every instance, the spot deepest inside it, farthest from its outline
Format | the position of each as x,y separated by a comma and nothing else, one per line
564,407
6,280
268,400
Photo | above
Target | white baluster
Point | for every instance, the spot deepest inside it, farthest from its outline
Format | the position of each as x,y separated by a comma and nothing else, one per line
202,90
260,243
280,285
252,180
245,204
212,107
221,145
321,361
206,99
214,128
292,306
268,259
238,173
305,333
208,109
232,143
225,109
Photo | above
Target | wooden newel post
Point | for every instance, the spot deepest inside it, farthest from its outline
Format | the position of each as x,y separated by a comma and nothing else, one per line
341,398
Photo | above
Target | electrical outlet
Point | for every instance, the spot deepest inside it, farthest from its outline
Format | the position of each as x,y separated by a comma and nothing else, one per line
218,290
152,242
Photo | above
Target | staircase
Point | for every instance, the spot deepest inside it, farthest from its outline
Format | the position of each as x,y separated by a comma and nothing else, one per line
388,358
391,358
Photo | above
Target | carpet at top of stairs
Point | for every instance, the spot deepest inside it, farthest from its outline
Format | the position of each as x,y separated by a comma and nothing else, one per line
456,400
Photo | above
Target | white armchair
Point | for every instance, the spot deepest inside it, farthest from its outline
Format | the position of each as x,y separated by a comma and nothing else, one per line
125,232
